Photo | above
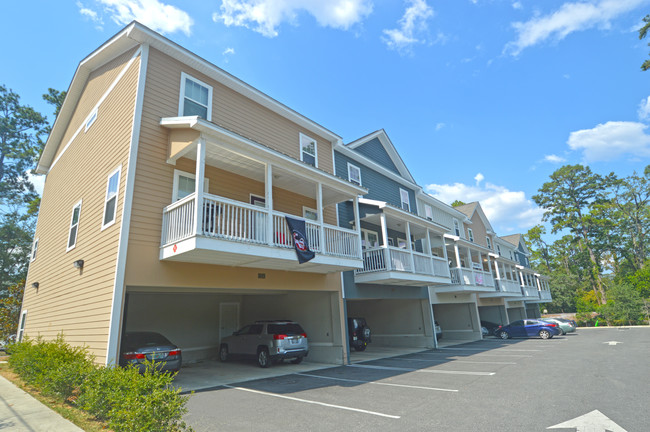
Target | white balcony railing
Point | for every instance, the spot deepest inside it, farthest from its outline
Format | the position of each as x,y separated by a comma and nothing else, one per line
477,277
236,221
397,259
530,291
509,286
545,295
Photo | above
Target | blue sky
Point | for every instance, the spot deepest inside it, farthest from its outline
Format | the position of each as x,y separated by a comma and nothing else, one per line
483,99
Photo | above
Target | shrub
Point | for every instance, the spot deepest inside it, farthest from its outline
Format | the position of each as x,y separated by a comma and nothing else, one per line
129,401
54,367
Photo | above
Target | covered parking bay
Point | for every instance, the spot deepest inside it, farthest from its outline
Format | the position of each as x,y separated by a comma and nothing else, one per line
457,315
197,319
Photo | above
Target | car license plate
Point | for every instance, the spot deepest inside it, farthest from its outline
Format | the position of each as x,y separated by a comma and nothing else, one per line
157,355
295,341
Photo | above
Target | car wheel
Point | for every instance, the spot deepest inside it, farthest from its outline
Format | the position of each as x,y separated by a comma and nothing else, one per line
263,358
504,335
297,360
223,353
360,347
563,333
545,334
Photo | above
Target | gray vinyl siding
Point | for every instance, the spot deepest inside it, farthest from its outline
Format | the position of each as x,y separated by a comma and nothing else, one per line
376,152
380,188
521,257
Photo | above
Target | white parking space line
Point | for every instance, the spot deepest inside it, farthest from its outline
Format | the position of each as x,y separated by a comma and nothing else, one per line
484,349
480,354
378,383
458,361
420,370
313,402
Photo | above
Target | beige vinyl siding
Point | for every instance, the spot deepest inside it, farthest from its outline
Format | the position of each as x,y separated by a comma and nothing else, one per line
98,82
478,229
69,301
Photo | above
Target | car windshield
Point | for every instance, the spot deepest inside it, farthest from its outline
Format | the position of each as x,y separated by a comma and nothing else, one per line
285,328
145,339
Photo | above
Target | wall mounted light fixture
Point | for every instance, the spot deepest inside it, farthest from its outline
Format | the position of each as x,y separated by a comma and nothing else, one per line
35,285
78,264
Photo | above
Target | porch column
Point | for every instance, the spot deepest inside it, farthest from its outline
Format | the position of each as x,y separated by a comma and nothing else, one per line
458,266
198,186
268,200
408,245
496,269
384,241
319,210
357,224
428,245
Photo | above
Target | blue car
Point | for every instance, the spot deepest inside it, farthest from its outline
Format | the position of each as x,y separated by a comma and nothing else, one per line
529,328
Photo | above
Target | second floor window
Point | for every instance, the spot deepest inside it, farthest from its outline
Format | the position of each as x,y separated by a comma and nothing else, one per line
196,98
499,250
404,197
488,242
32,256
354,174
456,227
74,226
428,212
308,150
110,205
470,235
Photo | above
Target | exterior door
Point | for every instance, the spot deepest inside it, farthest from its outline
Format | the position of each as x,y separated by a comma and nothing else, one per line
228,319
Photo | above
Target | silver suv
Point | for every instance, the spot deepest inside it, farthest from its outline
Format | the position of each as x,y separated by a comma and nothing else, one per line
268,341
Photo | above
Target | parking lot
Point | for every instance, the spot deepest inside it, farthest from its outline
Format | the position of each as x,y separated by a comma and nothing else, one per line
489,385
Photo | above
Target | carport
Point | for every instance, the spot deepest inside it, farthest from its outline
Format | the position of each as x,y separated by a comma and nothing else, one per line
197,319
516,310
457,315
492,310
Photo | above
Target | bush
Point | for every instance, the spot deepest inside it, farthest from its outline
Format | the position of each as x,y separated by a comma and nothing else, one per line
54,367
129,401
122,397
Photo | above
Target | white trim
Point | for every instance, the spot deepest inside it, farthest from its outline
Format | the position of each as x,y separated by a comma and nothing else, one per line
253,197
42,170
32,255
303,137
350,175
181,100
402,192
428,212
488,242
117,171
76,233
470,235
117,303
21,326
306,209
177,173
90,120
456,227
364,237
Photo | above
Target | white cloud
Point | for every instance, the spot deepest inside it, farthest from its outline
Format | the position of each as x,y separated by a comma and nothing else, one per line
91,14
413,26
439,126
517,5
554,158
569,18
611,140
227,51
160,17
265,16
508,211
479,178
644,109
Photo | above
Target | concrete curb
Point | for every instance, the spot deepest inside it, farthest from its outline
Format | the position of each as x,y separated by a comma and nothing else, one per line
19,411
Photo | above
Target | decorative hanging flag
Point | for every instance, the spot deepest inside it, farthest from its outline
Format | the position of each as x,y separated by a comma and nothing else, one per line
300,244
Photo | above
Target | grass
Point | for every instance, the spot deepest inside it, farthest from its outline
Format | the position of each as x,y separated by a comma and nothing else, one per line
66,410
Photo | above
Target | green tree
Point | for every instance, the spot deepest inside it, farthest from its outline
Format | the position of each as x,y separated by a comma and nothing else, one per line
10,306
538,247
457,203
643,31
625,305
567,201
56,98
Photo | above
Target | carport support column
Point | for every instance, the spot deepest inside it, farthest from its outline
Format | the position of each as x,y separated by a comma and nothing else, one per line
198,183
268,200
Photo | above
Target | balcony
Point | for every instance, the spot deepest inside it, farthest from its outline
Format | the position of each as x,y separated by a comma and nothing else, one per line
468,280
395,266
239,220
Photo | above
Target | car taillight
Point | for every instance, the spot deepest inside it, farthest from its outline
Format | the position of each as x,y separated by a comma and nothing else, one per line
279,336
175,352
303,335
552,325
133,356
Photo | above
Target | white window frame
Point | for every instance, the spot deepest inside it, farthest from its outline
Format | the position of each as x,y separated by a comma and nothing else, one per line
401,243
181,101
364,237
105,224
402,194
76,234
256,200
456,227
428,212
488,242
21,326
32,255
470,235
351,168
177,174
306,210
90,120
303,138
499,249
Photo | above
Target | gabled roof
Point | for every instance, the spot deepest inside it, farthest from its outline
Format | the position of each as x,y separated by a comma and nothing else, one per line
474,207
136,34
517,240
388,146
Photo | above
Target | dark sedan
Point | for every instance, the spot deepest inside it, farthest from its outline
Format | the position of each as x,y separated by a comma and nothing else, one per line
529,328
140,348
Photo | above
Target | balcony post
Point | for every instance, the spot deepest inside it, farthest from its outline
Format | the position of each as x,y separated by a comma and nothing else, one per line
433,270
409,247
319,210
268,200
496,269
357,223
384,241
461,279
198,186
